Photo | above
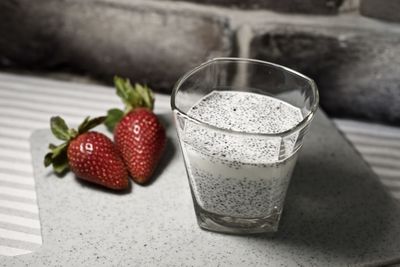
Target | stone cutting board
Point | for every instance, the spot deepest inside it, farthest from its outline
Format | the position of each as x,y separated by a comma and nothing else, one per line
336,214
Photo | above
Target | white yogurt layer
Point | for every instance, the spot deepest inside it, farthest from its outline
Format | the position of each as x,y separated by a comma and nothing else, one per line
239,175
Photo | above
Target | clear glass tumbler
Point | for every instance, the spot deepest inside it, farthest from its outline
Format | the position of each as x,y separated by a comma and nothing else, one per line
240,124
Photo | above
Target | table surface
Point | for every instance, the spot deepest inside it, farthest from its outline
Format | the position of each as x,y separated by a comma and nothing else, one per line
336,212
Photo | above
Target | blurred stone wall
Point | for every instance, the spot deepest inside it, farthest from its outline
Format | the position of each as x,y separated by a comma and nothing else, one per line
350,47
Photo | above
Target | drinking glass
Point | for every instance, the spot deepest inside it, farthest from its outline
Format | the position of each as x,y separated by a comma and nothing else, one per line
245,192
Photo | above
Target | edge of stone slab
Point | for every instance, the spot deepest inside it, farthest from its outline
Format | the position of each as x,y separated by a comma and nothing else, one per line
374,9
342,31
178,8
238,17
161,7
344,21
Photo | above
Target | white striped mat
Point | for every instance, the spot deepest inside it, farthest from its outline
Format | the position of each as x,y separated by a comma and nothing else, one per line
379,146
26,104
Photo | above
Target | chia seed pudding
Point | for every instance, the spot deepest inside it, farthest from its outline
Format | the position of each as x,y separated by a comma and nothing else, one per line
233,174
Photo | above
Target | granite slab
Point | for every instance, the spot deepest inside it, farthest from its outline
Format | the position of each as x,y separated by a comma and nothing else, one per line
336,214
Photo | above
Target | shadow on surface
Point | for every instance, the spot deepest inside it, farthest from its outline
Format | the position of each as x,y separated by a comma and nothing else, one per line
166,120
170,147
343,212
97,187
166,158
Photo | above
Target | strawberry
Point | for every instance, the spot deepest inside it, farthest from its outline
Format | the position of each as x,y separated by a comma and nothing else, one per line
92,156
138,133
141,139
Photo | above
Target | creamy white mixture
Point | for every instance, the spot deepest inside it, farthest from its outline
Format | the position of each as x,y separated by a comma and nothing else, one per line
234,174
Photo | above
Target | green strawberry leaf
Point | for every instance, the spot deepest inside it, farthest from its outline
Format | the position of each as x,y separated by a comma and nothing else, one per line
58,158
88,124
83,124
60,164
133,96
146,96
59,128
123,90
60,149
48,159
72,132
52,146
113,117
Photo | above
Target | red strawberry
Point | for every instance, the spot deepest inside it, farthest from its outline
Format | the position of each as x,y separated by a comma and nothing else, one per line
141,139
138,133
92,156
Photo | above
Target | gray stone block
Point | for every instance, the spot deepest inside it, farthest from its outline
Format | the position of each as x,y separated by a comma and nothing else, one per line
386,10
356,70
349,6
153,44
286,6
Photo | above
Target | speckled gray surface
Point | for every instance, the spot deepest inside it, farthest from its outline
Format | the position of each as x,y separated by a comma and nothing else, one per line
336,214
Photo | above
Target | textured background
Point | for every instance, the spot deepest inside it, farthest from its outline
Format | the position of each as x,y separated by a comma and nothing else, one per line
347,46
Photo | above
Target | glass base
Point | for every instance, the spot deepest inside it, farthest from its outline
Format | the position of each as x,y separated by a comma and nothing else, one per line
236,225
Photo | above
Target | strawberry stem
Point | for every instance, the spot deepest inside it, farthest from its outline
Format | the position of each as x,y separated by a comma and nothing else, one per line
137,96
113,117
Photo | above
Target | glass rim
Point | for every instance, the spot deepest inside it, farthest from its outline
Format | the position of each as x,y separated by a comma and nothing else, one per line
304,122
